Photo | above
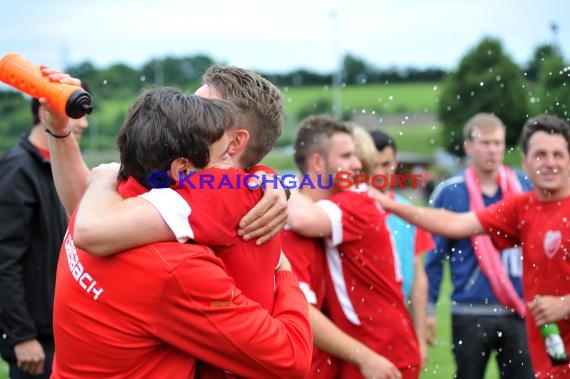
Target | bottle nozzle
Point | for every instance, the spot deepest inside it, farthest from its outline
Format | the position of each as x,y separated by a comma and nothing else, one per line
78,104
87,108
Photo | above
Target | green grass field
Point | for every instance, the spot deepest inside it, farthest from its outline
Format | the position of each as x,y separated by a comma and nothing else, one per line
388,98
374,98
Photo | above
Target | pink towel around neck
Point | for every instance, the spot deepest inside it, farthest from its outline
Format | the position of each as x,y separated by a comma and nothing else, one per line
488,257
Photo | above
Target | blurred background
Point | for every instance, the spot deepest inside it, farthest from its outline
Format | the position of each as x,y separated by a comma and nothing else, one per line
416,69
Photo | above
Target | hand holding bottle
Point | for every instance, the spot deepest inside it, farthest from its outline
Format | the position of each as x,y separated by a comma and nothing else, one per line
546,310
57,122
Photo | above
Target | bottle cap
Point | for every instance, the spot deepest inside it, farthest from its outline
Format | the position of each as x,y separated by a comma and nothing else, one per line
78,104
548,329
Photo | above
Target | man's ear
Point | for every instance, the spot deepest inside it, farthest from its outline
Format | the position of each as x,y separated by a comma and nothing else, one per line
180,165
238,140
316,162
42,113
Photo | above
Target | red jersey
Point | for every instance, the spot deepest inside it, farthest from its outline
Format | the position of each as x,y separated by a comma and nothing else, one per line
152,311
218,199
542,229
423,242
307,258
368,303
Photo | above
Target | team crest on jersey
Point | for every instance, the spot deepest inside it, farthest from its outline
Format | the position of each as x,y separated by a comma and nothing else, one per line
552,242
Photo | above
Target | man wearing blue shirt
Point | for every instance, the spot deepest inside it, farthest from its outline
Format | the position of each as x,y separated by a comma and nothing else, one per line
485,316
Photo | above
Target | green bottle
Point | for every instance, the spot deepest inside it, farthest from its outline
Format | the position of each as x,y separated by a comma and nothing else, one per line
554,344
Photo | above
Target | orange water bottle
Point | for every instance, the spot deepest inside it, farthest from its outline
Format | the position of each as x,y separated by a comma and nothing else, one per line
26,77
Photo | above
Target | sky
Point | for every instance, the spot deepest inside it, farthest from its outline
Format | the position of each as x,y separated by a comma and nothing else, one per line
278,36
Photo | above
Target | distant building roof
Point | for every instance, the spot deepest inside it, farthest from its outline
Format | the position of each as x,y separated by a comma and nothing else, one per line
410,158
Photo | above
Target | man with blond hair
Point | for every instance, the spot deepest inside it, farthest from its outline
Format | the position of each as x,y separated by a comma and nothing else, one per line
483,318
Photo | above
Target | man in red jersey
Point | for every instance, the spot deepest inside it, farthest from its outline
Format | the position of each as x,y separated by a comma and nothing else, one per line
537,221
154,310
307,261
365,299
331,344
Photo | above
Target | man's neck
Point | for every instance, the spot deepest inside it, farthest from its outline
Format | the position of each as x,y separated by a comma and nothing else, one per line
38,137
317,193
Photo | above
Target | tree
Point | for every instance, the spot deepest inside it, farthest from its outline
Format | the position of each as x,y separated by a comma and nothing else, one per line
118,80
541,53
15,113
16,118
487,80
355,70
298,77
84,71
555,88
179,72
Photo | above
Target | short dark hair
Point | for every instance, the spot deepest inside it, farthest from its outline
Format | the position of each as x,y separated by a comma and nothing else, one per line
382,140
35,104
165,124
313,136
545,123
260,104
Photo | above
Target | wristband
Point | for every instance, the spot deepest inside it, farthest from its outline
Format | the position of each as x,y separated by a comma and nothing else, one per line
57,135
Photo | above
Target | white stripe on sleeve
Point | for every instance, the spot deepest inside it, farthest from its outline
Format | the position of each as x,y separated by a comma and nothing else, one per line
310,295
335,216
173,209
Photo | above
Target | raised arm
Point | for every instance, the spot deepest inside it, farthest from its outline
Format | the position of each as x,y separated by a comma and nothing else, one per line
328,337
438,221
70,173
115,224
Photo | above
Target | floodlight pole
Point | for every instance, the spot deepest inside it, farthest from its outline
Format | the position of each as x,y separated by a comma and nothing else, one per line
554,30
337,70
158,68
